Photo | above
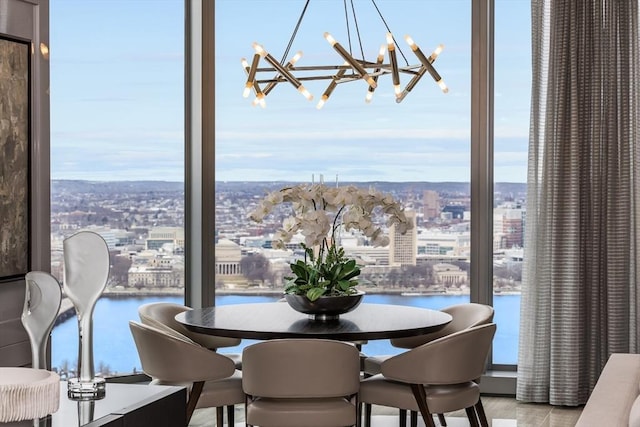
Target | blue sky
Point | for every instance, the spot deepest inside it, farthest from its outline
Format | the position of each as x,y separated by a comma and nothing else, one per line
117,93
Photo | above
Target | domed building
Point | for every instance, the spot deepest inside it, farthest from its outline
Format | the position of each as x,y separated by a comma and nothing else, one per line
228,255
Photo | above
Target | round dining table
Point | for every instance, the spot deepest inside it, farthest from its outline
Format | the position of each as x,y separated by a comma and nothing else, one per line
271,320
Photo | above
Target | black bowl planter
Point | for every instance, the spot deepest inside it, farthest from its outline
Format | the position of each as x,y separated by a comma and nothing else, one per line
325,307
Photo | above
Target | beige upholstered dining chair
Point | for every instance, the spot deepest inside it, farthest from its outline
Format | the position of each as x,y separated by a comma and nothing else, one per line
436,377
162,314
301,382
171,358
464,316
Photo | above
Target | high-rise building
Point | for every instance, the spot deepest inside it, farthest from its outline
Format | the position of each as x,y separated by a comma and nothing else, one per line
431,204
508,227
403,247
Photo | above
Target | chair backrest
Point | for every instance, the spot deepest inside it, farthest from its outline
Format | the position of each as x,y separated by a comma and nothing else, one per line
453,359
170,359
300,368
162,314
464,316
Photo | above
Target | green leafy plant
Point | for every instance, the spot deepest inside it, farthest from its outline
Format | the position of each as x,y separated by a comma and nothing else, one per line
314,277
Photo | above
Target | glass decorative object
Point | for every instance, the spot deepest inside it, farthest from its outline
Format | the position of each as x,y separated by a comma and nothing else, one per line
41,305
86,269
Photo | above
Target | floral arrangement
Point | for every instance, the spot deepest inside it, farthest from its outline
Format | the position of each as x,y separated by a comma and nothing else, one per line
319,212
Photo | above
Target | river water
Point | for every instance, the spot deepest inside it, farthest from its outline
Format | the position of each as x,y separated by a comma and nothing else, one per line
114,346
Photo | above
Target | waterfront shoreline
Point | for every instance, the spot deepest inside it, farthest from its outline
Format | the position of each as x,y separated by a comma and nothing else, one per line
260,291
128,292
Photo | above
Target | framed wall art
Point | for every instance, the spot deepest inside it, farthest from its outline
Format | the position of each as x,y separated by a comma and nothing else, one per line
15,144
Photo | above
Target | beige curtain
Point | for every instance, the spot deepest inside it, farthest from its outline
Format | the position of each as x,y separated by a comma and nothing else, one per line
580,280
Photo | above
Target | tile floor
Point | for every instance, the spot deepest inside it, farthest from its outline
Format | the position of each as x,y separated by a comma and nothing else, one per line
501,412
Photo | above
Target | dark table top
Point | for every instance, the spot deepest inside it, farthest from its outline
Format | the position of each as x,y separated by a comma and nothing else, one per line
278,320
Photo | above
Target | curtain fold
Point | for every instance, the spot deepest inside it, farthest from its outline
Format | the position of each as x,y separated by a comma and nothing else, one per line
580,277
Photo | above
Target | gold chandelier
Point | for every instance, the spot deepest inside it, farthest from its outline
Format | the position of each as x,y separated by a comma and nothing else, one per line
351,70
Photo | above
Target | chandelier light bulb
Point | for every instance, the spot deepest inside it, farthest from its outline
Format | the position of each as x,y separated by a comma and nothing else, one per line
436,53
369,96
295,58
305,92
330,39
259,49
410,42
259,100
390,41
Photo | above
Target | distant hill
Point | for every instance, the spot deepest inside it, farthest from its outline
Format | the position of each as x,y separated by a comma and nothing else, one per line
440,187
82,186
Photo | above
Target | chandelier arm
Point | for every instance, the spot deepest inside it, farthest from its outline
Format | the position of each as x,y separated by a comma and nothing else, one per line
389,30
378,70
295,31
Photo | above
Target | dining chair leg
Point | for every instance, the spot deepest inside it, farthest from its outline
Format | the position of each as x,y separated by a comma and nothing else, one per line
421,399
481,414
367,415
231,416
194,395
473,418
414,418
442,420
402,417
246,404
220,416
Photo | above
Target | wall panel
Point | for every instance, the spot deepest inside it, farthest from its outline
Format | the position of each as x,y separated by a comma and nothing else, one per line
29,20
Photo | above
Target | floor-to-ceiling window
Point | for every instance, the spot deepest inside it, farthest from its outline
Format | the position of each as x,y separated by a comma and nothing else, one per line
422,145
117,161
